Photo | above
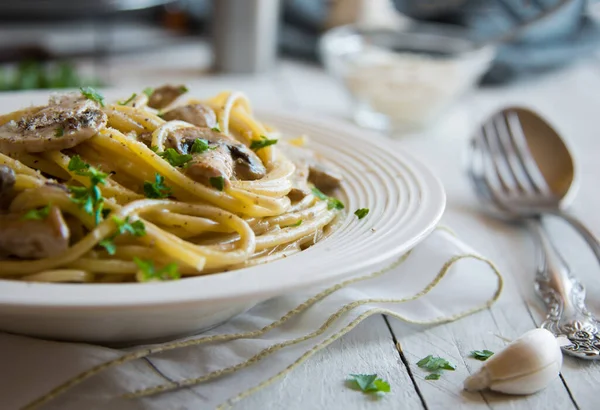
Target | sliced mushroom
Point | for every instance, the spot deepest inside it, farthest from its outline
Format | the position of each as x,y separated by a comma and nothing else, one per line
161,97
7,182
64,123
226,157
325,177
34,239
196,114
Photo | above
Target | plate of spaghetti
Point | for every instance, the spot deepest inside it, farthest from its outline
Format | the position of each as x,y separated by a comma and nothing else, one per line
159,214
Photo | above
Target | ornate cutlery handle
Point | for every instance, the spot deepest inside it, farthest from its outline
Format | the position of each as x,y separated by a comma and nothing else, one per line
564,297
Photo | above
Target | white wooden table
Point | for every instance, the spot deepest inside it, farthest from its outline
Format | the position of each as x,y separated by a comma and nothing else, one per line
571,100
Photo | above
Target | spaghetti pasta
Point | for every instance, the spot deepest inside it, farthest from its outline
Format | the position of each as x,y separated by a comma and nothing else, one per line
96,193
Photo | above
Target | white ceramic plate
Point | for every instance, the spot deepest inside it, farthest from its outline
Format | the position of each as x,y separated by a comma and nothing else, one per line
405,200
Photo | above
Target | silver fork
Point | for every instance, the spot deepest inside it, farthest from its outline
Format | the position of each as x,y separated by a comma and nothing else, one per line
506,182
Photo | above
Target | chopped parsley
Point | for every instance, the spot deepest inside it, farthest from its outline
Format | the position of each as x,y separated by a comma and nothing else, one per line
261,143
37,214
217,182
216,129
92,94
435,365
148,273
332,203
298,223
200,145
368,383
127,101
89,199
135,228
59,132
109,245
158,189
148,91
481,355
183,89
361,213
175,158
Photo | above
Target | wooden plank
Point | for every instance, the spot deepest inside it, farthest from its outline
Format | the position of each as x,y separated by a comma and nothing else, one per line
319,382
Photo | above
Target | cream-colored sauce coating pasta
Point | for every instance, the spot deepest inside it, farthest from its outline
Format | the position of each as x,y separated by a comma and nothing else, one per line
198,227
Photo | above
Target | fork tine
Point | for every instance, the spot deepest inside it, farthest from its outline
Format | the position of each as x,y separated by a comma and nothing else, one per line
526,160
498,158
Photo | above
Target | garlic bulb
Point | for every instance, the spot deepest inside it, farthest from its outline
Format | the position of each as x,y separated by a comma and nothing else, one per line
525,366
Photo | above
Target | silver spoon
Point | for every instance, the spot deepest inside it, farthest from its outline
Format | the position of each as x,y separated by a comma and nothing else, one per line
502,177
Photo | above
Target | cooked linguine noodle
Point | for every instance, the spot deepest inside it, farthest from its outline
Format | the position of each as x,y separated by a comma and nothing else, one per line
152,188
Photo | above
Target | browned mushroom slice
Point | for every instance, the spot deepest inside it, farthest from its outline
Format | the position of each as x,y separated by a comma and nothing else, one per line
66,121
7,182
161,97
196,114
34,239
325,177
226,157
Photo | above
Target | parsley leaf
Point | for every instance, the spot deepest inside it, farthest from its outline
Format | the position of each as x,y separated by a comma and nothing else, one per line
59,132
175,158
200,145
136,228
217,182
298,223
89,199
37,214
216,129
332,203
261,143
92,94
361,213
148,91
435,363
109,245
369,383
157,189
432,376
482,355
183,89
149,273
127,101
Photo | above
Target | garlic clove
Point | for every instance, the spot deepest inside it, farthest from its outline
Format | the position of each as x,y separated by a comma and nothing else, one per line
525,366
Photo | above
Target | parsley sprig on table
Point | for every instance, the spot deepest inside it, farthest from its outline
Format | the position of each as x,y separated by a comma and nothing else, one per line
158,189
435,365
481,355
89,199
149,273
368,383
332,203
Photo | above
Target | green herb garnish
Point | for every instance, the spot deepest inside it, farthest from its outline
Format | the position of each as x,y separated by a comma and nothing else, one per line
157,189
37,214
109,245
59,132
432,376
200,145
92,94
263,142
298,223
217,182
130,99
149,273
183,89
332,203
89,199
482,355
361,213
216,129
148,91
175,158
369,383
434,364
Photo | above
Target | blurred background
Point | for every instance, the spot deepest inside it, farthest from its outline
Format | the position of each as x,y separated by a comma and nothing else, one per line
68,43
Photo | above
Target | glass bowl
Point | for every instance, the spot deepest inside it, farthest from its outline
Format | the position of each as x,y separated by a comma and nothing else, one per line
404,79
